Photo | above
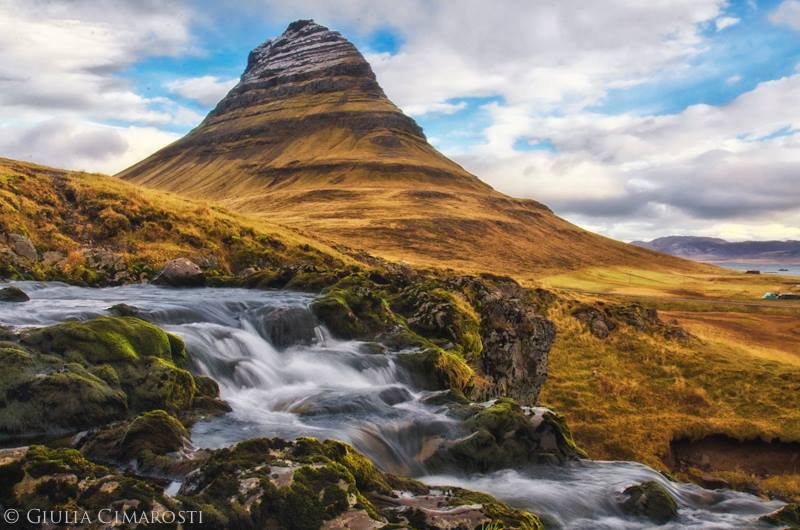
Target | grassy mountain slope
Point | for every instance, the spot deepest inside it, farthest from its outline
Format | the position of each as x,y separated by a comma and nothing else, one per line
308,139
91,228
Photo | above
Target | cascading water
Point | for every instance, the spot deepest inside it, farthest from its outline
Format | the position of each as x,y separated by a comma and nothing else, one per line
283,376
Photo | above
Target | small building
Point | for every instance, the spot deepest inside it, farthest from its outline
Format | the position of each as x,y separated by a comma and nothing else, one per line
770,296
788,296
752,271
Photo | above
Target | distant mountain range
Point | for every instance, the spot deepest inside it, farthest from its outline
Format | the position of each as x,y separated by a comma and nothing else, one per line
715,249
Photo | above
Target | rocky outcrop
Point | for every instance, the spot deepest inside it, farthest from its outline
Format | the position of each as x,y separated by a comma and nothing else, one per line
13,294
479,336
602,319
262,483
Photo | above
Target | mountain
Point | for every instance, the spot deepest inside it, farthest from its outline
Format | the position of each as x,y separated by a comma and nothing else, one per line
308,139
714,249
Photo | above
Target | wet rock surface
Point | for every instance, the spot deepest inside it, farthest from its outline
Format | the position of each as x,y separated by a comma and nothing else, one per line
650,499
13,294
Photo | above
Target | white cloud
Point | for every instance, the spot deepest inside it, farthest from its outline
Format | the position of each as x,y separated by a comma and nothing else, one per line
61,69
82,145
787,14
725,22
732,80
702,169
207,89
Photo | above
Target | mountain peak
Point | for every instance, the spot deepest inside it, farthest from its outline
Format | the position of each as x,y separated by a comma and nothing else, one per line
304,47
308,138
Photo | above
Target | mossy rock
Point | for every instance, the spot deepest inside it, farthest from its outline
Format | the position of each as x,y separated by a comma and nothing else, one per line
152,440
504,435
63,479
156,432
158,384
270,483
353,308
652,500
108,340
77,375
439,369
41,395
787,517
441,315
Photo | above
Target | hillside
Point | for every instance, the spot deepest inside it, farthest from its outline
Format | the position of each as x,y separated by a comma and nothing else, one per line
309,140
714,249
93,229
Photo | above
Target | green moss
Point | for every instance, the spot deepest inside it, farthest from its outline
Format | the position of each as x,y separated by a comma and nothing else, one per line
156,432
108,339
355,307
504,435
502,516
650,499
158,384
440,369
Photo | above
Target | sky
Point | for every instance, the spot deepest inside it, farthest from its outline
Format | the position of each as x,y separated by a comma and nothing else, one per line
635,119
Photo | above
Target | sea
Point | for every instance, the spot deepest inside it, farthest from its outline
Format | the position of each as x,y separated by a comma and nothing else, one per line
765,268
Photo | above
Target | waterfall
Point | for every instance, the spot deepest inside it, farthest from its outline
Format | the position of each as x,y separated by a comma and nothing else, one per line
285,376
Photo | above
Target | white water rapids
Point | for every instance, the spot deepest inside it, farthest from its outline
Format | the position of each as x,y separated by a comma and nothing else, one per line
308,384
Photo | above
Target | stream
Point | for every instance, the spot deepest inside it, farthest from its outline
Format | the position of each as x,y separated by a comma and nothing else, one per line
285,376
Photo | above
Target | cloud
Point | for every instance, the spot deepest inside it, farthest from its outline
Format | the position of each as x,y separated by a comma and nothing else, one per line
707,165
725,22
62,73
787,14
207,89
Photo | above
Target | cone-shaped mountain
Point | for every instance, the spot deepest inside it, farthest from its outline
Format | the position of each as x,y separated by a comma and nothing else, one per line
308,138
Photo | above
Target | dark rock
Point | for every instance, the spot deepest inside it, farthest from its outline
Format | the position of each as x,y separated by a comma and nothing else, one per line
516,343
125,310
597,319
287,326
13,294
180,272
650,499
787,517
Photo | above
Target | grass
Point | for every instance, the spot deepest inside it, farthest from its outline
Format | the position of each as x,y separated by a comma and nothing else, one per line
71,213
630,395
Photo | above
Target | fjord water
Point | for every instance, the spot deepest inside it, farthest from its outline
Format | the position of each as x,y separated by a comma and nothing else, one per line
348,390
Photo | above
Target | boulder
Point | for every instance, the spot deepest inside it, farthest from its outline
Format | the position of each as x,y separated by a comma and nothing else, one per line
786,517
77,375
180,272
13,294
287,326
652,500
22,247
502,434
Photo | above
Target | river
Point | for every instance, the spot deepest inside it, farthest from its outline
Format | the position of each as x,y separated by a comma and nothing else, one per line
284,376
